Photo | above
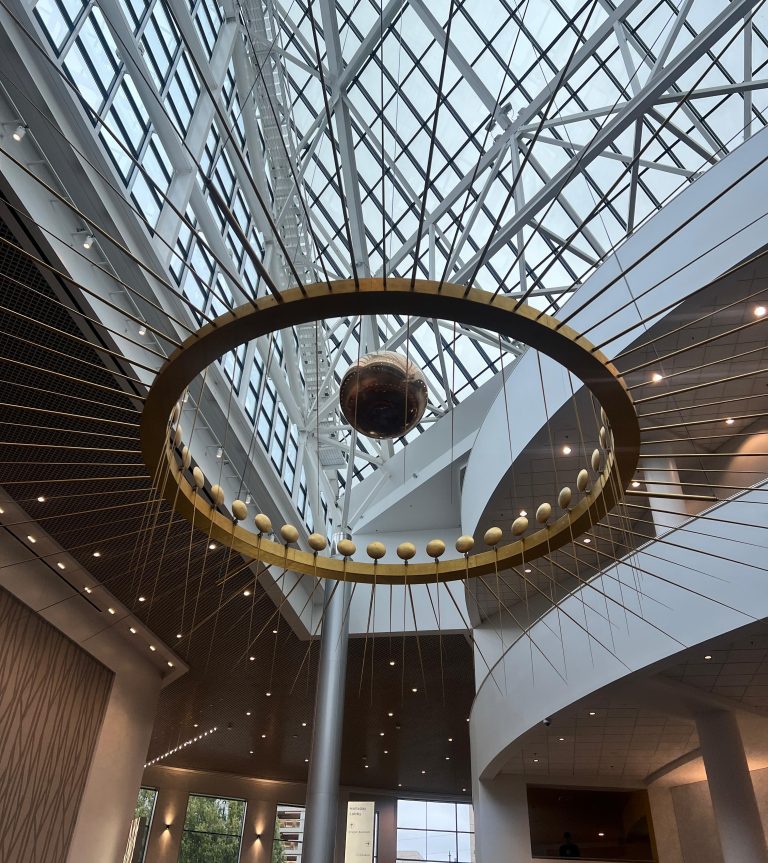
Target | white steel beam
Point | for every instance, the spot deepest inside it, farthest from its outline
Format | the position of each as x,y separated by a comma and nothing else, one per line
631,111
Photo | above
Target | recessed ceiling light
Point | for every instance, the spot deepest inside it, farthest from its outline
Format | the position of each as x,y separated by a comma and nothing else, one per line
246,592
142,599
527,570
591,712
729,421
152,648
561,739
523,513
381,733
2,511
41,499
464,789
566,450
178,635
535,760
364,765
391,661
423,772
170,664
247,712
303,724
61,565
132,630
601,834
447,757
31,538
760,311
656,377
111,610
414,689
399,784
263,736
587,540
252,658
708,656
635,484
390,713
97,554
250,751
87,589
386,751
194,725
212,546
274,632
268,694
450,739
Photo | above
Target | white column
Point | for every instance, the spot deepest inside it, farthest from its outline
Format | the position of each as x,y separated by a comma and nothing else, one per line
733,797
502,828
661,477
114,777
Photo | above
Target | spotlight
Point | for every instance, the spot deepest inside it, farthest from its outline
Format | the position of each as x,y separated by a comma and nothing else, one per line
41,499
566,450
656,377
219,452
142,330
635,484
546,721
729,421
760,311
708,656
19,132
89,241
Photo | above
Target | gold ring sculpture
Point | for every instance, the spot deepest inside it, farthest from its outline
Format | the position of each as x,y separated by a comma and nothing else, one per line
612,464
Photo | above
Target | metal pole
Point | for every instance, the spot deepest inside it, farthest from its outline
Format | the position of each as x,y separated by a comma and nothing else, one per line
325,762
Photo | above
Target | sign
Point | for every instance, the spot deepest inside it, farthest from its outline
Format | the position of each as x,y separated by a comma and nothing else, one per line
359,844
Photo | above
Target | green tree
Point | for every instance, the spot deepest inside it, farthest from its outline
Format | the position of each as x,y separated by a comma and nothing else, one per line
212,830
278,852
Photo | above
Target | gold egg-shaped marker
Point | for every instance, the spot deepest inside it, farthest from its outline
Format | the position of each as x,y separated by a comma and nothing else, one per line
289,533
198,477
178,435
317,542
596,458
603,417
406,550
217,493
263,523
346,547
543,513
465,544
582,480
520,525
435,548
176,412
603,437
564,498
239,510
186,458
376,550
493,536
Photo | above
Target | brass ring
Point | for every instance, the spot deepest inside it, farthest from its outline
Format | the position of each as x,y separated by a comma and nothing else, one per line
395,296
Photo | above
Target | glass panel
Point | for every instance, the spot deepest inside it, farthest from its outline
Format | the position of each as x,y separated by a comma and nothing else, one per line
142,821
213,829
435,831
289,834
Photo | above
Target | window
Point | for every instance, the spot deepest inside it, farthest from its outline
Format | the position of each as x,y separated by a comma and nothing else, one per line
142,821
289,834
213,830
435,832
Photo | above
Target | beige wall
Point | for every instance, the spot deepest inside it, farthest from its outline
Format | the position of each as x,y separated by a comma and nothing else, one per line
53,697
262,797
695,819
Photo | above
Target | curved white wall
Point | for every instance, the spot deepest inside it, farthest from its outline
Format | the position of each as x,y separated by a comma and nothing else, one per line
730,228
684,576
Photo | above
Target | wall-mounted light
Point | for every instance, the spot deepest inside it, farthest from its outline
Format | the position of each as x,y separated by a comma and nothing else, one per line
88,241
258,837
167,827
19,132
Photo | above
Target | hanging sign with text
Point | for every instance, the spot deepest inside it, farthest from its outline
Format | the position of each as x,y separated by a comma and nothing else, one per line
360,820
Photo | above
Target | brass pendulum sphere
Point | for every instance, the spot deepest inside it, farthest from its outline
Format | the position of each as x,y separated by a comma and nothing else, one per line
383,395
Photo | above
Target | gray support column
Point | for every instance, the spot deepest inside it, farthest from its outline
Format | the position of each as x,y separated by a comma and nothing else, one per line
325,763
733,797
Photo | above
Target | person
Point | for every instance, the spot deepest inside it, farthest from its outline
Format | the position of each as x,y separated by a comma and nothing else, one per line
569,848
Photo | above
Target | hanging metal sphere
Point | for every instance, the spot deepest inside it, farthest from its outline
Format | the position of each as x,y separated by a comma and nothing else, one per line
383,395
